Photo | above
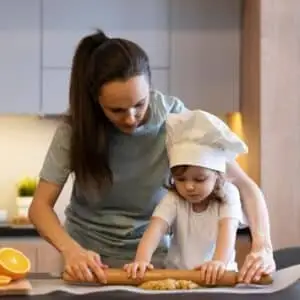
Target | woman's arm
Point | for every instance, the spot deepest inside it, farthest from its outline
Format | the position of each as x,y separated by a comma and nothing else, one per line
254,204
150,240
226,239
80,263
44,218
261,257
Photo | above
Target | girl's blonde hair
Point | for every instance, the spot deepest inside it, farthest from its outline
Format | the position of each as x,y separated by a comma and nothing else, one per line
216,195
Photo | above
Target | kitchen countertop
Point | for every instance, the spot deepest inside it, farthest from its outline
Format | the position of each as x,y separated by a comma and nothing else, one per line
9,230
15,231
286,285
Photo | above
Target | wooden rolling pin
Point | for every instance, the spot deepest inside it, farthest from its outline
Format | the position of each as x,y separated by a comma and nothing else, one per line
119,277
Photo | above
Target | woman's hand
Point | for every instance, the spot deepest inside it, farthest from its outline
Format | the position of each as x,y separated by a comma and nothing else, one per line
211,271
84,265
258,262
137,269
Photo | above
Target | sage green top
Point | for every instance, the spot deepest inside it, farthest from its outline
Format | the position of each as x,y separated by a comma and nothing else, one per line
112,223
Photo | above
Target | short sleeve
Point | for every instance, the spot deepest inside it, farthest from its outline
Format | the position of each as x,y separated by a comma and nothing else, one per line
167,208
232,207
177,106
56,166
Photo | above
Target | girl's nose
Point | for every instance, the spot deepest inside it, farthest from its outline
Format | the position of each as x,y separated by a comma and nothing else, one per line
189,186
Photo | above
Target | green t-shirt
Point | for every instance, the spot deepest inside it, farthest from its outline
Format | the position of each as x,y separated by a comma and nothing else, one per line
113,223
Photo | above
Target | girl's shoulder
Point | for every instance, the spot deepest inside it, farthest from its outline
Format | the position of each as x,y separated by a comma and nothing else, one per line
231,191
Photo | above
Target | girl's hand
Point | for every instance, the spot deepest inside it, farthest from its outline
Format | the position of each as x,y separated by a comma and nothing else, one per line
137,269
211,271
84,265
257,263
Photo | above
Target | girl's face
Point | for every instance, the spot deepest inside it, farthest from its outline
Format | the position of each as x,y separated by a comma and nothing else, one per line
125,103
194,184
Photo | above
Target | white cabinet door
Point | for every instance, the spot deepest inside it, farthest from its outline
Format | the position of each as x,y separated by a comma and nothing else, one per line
66,22
55,91
205,56
56,88
20,56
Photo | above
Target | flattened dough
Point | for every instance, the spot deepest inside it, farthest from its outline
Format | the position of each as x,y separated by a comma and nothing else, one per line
169,284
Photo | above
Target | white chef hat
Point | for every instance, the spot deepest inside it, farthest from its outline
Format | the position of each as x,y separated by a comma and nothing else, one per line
201,139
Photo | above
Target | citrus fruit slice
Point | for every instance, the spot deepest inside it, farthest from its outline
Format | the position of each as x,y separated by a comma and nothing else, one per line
13,263
4,280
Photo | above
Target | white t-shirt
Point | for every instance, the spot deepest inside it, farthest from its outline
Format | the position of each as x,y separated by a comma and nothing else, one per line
195,234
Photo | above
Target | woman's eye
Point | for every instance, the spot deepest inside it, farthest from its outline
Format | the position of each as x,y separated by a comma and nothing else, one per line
141,104
117,110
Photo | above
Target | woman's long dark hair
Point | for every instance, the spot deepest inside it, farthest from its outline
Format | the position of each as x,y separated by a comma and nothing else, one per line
98,60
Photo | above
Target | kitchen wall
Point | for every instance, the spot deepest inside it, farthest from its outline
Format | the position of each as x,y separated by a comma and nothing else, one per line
202,69
23,145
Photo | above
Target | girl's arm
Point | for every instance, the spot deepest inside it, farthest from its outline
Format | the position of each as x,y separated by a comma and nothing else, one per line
150,240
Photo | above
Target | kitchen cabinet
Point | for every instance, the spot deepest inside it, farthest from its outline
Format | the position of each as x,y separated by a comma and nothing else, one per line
193,46
48,259
56,88
66,22
205,54
27,246
242,248
20,56
143,21
44,257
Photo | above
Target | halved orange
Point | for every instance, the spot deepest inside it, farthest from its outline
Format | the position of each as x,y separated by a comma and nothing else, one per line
4,280
13,263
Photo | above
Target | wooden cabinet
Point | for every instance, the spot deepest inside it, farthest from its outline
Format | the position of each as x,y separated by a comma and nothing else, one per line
20,56
242,247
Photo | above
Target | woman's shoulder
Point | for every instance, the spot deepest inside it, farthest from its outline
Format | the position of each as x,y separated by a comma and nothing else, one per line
62,134
165,104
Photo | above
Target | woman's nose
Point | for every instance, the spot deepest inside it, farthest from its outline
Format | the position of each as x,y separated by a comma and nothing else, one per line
130,118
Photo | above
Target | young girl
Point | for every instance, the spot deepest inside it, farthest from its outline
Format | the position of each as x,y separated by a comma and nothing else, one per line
202,220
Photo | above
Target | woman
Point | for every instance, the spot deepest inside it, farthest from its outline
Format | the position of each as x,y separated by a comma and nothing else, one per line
113,140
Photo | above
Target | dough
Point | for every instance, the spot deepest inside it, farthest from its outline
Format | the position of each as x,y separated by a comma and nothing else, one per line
169,284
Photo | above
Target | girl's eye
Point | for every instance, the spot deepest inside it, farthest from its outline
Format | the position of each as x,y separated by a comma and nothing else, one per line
200,179
179,179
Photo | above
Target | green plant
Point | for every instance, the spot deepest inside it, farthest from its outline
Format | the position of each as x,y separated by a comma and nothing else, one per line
27,187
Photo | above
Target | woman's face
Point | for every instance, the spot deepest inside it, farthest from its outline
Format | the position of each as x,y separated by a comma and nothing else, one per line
125,103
